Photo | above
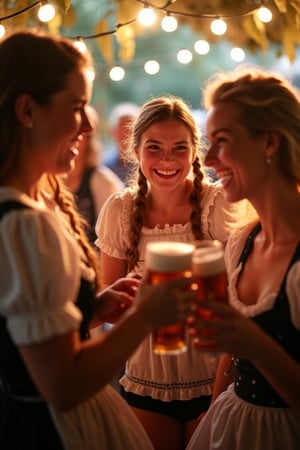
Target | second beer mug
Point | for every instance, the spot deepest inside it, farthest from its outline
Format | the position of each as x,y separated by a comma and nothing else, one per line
208,267
165,261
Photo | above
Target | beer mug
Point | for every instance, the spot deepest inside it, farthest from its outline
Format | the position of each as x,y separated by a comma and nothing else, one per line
208,268
164,261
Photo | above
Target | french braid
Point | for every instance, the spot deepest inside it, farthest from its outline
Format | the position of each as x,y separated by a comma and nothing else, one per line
65,201
137,219
195,200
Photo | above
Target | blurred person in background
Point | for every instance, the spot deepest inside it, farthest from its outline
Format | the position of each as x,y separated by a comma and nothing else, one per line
119,121
91,181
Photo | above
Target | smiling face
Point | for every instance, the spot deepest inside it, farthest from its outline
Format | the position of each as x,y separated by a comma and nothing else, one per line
58,127
165,154
238,158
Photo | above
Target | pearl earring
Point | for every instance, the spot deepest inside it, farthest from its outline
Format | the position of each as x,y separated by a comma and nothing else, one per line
30,124
268,160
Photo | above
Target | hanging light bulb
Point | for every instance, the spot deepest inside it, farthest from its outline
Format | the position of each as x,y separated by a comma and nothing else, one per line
218,27
117,73
201,47
80,45
151,67
169,23
46,12
146,16
184,56
237,54
264,14
2,31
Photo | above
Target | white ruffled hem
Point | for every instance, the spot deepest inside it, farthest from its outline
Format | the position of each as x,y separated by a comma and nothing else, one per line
166,393
232,423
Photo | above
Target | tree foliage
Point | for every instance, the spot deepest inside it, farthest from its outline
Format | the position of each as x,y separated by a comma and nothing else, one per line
244,29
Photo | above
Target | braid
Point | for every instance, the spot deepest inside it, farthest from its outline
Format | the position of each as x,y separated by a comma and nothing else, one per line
66,202
137,219
195,200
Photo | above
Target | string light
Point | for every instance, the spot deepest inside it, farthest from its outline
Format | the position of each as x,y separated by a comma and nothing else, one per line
218,27
201,47
184,56
2,31
237,54
117,73
169,23
151,67
264,14
146,16
46,13
149,10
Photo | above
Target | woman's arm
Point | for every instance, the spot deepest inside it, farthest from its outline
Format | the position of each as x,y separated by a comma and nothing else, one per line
111,269
238,335
67,371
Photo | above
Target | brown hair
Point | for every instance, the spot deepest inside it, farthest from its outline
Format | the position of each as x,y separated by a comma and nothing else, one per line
157,110
38,64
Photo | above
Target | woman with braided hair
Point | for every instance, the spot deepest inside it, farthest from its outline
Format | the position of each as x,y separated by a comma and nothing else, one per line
54,392
169,201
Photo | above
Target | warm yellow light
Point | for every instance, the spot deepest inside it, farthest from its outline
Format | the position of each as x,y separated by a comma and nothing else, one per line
218,27
201,47
2,31
117,73
264,14
46,13
151,67
237,54
169,24
146,17
184,56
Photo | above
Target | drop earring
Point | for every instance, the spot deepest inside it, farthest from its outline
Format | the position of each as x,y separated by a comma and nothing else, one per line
268,160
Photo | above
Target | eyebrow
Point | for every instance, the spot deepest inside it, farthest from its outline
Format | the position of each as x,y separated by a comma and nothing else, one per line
221,130
155,141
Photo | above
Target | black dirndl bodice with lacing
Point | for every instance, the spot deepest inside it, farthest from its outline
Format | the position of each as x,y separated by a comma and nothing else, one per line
249,384
25,420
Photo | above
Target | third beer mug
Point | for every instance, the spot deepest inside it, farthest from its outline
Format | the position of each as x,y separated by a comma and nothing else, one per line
208,267
166,261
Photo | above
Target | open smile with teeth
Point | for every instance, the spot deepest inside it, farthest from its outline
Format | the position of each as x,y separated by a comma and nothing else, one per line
224,176
166,173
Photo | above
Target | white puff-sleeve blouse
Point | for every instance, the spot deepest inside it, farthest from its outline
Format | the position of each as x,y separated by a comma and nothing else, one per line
113,224
165,377
40,274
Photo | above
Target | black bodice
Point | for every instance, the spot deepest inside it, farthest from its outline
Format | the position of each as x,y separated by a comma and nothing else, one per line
249,384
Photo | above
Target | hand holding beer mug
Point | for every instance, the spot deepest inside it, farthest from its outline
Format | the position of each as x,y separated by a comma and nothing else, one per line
208,268
165,261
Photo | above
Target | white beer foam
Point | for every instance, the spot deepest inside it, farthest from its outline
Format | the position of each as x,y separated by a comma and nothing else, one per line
169,256
208,261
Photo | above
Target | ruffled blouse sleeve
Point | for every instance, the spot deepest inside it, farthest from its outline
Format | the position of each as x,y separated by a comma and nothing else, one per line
113,225
40,276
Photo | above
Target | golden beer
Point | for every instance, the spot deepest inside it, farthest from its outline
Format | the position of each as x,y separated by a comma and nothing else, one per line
208,266
165,261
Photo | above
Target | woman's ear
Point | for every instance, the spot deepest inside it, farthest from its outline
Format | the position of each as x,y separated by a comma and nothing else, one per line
23,110
273,142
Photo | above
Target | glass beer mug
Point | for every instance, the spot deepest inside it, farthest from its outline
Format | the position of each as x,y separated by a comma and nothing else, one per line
168,260
208,267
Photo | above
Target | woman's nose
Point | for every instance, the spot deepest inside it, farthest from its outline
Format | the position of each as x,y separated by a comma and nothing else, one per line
167,155
210,157
86,124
